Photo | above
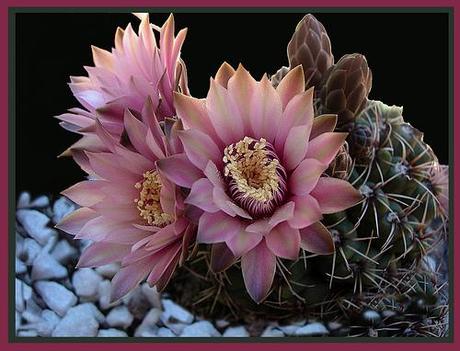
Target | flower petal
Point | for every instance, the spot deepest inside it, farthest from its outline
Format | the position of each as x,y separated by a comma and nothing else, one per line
305,176
224,73
299,111
282,213
306,212
201,196
76,220
323,124
284,241
334,195
221,257
325,146
242,242
258,267
200,148
291,85
99,254
226,204
317,239
295,147
216,227
266,111
129,277
179,170
85,193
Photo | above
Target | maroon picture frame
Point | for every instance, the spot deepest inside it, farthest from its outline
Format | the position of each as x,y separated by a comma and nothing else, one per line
35,344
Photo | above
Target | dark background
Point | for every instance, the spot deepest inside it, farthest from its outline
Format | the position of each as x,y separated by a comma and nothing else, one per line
408,55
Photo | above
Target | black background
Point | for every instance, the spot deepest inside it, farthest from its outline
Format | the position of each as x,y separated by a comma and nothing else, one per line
408,55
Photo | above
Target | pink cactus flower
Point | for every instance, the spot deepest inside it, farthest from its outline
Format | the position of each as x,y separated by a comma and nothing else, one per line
130,211
135,70
253,159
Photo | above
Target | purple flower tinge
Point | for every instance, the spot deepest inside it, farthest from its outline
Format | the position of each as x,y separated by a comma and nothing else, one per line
253,160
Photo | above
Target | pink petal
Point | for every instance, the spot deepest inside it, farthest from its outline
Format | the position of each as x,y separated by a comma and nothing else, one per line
334,195
317,239
284,241
221,257
162,261
216,227
325,146
291,85
73,222
323,124
258,267
242,242
161,239
224,73
305,176
295,147
99,254
241,87
306,212
201,196
137,133
194,115
283,213
200,148
226,204
261,226
299,111
266,111
107,166
179,170
86,193
167,274
213,174
224,114
129,277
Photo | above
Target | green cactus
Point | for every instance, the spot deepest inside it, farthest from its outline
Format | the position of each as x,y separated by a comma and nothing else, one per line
376,282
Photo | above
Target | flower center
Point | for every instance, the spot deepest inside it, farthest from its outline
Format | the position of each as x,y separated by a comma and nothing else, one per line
148,203
256,179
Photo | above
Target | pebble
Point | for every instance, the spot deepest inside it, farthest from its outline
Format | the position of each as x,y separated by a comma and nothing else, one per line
236,332
35,224
77,322
28,333
202,328
40,202
104,290
61,208
289,329
119,317
64,252
23,200
371,317
56,296
112,332
20,266
175,312
86,282
30,250
23,293
45,324
152,295
315,328
165,332
272,332
46,267
108,270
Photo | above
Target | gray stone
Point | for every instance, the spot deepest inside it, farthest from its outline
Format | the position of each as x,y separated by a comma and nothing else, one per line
86,282
108,270
202,328
334,325
35,224
371,316
46,267
40,202
146,331
23,200
271,332
28,333
91,309
174,312
77,322
289,329
119,317
152,317
111,333
64,252
152,295
20,266
239,331
311,329
222,323
165,333
104,291
45,325
17,320
23,293
176,328
57,297
61,208
137,303
30,250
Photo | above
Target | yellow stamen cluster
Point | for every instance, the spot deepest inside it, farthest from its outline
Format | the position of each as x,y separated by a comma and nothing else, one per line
148,203
253,172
